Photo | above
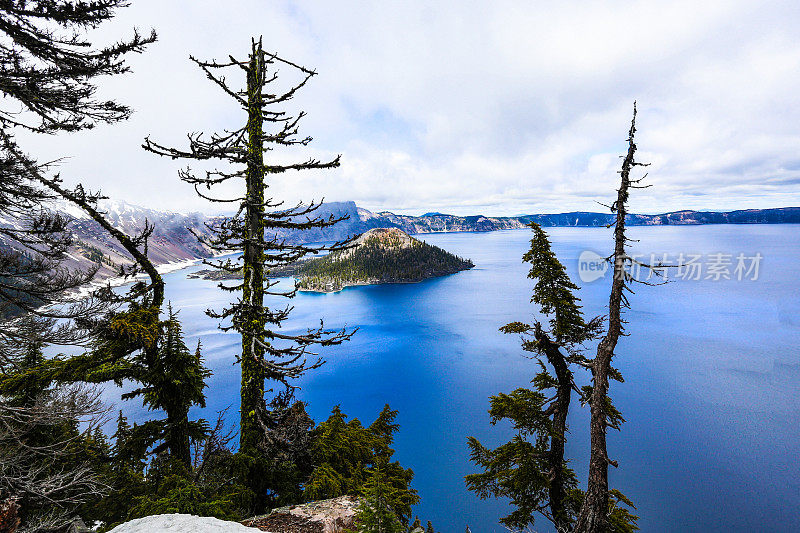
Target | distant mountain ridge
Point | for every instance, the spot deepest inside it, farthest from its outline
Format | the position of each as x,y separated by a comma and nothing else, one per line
173,240
440,222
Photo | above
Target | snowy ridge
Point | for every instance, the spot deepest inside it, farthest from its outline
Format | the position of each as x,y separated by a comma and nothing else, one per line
172,245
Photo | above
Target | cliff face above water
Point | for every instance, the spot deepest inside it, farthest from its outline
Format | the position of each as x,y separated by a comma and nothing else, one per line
439,222
173,240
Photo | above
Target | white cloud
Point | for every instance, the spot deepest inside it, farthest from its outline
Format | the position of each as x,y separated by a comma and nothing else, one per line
467,107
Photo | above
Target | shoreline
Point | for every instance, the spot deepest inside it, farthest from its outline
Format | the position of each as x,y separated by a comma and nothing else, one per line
379,282
169,267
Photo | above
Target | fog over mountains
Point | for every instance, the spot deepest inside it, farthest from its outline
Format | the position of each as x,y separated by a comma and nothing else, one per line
173,238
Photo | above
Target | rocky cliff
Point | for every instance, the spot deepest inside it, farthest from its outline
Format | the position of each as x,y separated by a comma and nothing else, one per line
324,516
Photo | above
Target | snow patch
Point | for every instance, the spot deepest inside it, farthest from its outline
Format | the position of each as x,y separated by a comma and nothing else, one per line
181,523
172,266
70,209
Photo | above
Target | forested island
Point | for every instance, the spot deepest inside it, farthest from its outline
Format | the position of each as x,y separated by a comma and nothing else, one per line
380,255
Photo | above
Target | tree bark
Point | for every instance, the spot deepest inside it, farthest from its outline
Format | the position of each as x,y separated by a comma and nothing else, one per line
557,489
253,374
593,516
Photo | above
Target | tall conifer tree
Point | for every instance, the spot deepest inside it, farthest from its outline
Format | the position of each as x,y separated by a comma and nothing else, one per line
48,71
376,510
49,68
174,383
132,344
267,353
531,469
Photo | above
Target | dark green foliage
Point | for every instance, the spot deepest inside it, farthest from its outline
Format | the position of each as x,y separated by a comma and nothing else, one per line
172,382
211,486
554,292
378,501
377,259
429,528
342,452
168,487
531,469
520,470
123,473
171,488
276,473
135,345
346,455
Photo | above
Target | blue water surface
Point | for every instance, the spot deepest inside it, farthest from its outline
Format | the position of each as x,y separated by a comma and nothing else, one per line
712,374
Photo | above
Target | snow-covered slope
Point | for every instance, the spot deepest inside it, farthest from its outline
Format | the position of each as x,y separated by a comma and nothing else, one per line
181,523
171,243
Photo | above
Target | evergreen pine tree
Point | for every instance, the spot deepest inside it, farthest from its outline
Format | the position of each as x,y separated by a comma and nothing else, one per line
376,510
345,455
48,73
531,469
267,353
174,382
133,344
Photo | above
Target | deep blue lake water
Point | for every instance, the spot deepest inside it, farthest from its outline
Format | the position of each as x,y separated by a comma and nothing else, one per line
712,369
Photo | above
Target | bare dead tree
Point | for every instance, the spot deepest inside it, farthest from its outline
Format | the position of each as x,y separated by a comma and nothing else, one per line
599,512
48,475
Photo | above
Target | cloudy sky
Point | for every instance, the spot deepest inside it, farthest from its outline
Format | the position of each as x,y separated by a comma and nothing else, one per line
469,107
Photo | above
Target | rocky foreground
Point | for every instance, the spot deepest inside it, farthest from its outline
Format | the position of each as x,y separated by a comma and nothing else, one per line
324,516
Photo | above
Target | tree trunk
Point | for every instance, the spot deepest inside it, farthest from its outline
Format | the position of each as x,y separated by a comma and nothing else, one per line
593,516
177,436
253,286
557,490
